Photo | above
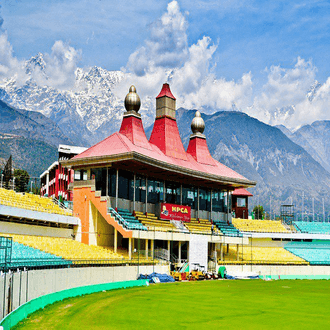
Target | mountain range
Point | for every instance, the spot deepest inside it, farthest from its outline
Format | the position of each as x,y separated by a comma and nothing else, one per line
285,164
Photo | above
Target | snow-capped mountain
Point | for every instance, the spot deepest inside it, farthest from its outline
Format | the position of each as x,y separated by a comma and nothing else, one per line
87,112
315,139
282,169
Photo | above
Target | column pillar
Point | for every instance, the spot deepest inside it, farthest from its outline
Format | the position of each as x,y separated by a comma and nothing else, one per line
221,251
117,185
227,205
179,253
169,249
47,183
147,243
107,180
115,240
134,192
181,194
237,248
130,248
164,193
197,203
211,205
152,248
146,195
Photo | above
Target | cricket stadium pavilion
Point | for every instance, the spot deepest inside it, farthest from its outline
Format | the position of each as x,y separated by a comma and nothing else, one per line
133,193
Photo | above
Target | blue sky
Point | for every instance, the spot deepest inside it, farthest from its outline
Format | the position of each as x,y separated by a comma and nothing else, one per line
251,35
260,57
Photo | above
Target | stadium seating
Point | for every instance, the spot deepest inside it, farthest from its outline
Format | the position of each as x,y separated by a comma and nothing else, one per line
201,226
26,256
66,248
227,229
153,223
259,226
316,253
313,227
31,202
261,255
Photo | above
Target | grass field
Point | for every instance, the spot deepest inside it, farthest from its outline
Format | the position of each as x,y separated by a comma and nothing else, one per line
245,304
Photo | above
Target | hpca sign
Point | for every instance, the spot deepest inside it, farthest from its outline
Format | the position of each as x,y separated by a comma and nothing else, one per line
175,212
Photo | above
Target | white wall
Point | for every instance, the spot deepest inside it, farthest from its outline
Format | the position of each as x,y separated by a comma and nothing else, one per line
23,229
198,251
280,270
35,283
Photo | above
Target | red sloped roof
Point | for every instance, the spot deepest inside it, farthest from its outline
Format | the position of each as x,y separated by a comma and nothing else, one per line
165,135
119,143
132,128
241,192
166,91
198,149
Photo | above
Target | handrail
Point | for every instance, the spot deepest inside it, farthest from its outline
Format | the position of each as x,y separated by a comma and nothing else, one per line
124,222
60,204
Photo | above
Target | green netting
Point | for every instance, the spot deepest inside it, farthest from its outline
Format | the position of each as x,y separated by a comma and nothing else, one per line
30,307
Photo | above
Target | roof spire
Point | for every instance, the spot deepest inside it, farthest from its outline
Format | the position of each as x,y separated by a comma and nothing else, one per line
197,126
165,103
132,101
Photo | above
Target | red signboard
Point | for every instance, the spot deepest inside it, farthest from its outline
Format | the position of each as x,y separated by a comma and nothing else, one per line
175,212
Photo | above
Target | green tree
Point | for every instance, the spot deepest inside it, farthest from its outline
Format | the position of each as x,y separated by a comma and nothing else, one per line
258,211
22,179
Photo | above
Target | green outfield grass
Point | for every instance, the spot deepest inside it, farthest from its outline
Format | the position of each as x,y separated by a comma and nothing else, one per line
244,304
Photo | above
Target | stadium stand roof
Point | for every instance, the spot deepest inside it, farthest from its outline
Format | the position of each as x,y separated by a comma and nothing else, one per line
164,151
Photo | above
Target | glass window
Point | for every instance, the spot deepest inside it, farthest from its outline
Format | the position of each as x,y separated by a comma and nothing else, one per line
204,200
189,196
112,182
225,202
218,201
100,176
241,202
140,189
80,175
173,192
125,185
77,175
155,191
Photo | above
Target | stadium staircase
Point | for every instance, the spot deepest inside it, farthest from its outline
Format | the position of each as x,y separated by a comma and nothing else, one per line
125,218
184,268
101,204
227,229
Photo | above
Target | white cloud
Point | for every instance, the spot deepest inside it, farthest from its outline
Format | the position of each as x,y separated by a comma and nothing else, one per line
60,67
167,45
283,99
58,71
9,65
167,57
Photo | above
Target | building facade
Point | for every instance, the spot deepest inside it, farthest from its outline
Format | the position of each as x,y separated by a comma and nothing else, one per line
56,179
126,171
